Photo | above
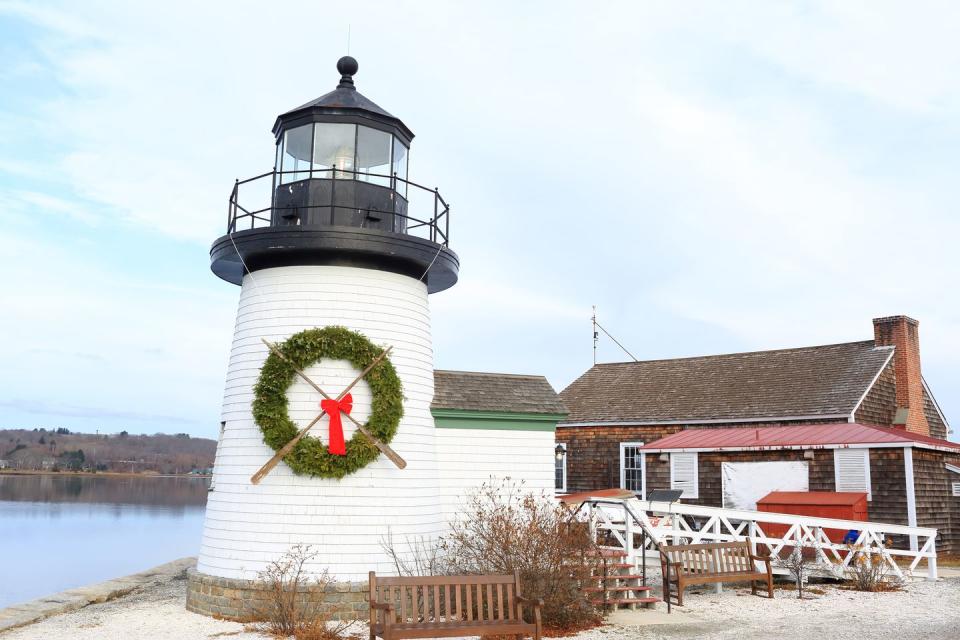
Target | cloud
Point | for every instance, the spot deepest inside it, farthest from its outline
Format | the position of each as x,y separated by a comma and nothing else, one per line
35,204
732,177
73,411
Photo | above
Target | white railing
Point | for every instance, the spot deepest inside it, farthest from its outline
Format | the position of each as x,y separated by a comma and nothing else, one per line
659,523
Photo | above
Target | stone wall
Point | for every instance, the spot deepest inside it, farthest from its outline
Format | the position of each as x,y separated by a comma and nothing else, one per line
244,600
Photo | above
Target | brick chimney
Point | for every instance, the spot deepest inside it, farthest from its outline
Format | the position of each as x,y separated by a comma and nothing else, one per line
902,333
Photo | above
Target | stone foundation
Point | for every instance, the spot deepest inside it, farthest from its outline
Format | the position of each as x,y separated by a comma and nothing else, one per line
245,600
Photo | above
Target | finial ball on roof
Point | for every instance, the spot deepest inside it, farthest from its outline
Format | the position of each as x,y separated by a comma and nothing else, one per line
347,65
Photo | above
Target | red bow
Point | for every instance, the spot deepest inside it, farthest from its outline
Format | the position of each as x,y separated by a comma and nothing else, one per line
333,408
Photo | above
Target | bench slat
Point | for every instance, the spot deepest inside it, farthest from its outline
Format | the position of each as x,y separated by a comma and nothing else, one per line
458,630
713,562
463,579
449,606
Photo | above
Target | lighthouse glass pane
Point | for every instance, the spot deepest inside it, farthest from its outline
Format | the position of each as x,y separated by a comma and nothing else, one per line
296,154
334,147
400,165
373,156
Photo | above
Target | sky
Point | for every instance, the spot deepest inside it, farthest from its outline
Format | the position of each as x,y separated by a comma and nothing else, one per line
714,177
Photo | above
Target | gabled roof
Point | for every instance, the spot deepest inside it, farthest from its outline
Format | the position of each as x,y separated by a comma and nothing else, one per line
509,393
844,434
810,382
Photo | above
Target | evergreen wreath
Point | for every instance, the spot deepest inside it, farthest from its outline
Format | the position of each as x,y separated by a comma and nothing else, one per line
310,456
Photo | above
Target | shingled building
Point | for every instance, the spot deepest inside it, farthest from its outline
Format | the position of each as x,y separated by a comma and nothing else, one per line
727,429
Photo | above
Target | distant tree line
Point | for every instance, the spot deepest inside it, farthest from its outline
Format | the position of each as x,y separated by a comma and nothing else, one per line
36,449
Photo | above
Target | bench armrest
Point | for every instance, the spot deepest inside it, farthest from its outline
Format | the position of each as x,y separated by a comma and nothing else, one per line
383,606
532,602
761,558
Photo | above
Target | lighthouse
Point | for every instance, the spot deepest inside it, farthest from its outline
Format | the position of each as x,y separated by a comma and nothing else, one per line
335,251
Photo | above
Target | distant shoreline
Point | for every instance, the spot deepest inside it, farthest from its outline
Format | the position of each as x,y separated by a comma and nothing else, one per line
35,472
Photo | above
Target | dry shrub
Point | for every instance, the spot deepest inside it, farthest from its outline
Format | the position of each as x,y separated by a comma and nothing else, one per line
418,557
870,571
288,610
502,529
801,561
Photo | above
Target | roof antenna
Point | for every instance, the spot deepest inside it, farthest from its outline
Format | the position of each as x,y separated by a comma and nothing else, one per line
597,325
596,335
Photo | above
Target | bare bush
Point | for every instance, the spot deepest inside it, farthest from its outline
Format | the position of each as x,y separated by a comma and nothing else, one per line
288,609
503,529
418,556
799,563
870,570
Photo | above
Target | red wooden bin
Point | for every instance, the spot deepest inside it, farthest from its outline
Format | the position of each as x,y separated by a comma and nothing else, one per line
820,504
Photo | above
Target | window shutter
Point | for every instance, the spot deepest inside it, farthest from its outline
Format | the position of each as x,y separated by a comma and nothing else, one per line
852,470
956,489
683,474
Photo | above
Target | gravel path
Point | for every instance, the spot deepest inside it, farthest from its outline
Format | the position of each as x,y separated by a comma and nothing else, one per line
154,613
922,610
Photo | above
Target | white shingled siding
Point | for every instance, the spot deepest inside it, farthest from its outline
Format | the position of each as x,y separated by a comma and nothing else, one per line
469,457
247,525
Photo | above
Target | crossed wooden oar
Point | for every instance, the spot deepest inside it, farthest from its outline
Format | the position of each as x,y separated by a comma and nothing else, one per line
287,448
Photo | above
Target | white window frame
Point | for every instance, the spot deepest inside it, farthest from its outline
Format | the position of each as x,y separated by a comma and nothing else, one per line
643,467
562,489
836,468
954,484
696,474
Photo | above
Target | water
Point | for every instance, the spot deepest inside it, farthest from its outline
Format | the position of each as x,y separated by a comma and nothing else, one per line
58,531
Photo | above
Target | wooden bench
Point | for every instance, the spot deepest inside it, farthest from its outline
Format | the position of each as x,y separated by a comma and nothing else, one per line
450,606
686,564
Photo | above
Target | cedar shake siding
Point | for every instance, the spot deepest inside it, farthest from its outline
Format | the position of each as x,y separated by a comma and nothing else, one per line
593,453
887,479
888,484
938,428
936,506
880,404
710,478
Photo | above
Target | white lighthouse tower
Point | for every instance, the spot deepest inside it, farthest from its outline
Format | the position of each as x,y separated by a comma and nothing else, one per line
341,237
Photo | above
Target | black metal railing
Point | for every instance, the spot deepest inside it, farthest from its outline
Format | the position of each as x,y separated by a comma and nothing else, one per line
432,225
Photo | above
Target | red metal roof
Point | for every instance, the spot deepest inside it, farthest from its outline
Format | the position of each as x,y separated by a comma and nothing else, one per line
800,436
813,497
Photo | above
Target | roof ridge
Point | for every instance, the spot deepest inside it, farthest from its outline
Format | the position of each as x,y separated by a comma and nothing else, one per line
747,353
491,373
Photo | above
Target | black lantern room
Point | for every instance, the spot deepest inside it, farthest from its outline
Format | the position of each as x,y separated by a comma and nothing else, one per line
339,194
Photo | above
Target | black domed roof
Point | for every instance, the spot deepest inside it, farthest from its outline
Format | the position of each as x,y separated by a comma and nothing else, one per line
343,103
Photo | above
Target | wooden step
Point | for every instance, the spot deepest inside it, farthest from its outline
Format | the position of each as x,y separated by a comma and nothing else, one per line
602,589
613,602
621,576
607,553
620,565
